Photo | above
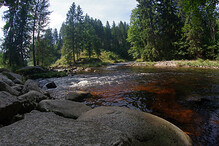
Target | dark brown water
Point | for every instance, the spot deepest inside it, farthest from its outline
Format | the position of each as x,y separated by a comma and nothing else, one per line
187,97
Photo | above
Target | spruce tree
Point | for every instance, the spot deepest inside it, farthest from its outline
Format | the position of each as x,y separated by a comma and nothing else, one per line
40,20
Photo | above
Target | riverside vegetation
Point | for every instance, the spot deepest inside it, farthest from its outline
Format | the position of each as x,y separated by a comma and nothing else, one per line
158,31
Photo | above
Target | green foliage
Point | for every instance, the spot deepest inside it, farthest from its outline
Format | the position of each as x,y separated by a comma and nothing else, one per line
17,33
134,38
169,29
110,57
199,63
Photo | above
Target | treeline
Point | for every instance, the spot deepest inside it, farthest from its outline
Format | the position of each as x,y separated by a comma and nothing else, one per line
24,31
159,30
27,37
174,29
81,33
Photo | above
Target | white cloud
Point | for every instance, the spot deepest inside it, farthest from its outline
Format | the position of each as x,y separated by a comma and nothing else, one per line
105,10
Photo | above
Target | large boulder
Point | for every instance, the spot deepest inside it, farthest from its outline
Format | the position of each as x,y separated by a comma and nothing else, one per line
30,100
4,69
78,96
49,129
145,127
7,88
65,108
31,70
5,79
9,107
31,85
16,78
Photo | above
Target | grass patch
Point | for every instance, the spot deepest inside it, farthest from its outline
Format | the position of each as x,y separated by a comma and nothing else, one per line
199,63
150,63
106,57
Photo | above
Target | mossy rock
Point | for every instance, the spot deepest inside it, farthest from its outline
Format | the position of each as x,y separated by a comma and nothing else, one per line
31,70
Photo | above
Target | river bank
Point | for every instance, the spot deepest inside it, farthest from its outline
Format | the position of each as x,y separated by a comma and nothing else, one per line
180,63
32,116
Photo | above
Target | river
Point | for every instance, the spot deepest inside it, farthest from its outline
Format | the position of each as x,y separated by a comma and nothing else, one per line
187,97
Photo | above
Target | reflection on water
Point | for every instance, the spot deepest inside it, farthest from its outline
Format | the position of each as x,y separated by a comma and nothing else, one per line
186,97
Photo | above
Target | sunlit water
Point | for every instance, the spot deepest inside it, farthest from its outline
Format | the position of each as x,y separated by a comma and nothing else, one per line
189,98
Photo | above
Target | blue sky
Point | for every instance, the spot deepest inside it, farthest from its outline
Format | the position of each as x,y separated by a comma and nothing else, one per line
111,10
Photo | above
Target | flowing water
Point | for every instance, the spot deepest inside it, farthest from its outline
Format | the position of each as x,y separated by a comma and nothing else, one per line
187,97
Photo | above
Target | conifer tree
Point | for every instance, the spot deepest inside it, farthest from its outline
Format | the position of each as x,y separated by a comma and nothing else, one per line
40,22
16,31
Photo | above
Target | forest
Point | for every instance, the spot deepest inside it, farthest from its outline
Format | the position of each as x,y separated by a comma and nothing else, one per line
158,30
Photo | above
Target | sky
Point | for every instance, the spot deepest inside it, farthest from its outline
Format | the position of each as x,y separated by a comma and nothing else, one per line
105,10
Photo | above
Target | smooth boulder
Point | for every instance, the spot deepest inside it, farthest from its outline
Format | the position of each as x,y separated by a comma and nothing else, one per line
9,107
78,96
49,129
145,127
65,108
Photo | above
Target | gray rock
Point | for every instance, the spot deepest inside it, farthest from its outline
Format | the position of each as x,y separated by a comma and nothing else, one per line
78,96
197,98
88,70
65,108
9,107
49,129
31,85
30,100
147,128
7,88
16,78
51,85
18,87
4,69
5,79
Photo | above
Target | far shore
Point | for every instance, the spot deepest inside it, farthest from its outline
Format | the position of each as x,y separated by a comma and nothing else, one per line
179,63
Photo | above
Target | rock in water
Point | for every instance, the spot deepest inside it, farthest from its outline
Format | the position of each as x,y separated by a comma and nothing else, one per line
9,107
65,108
49,129
78,96
145,127
51,85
